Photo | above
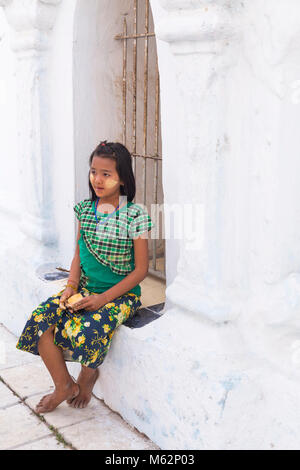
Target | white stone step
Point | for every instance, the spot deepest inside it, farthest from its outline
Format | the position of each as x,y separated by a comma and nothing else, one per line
24,379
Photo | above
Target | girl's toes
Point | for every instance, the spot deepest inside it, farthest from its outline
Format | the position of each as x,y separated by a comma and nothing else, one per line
39,404
73,403
39,407
71,400
80,403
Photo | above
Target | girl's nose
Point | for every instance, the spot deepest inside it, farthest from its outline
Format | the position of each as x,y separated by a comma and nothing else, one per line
98,180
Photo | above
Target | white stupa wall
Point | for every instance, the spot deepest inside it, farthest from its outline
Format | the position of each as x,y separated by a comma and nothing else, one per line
220,368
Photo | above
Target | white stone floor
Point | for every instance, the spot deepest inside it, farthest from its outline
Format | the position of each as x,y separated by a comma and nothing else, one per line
23,380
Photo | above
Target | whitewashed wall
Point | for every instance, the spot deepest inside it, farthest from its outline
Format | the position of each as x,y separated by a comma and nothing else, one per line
9,175
220,368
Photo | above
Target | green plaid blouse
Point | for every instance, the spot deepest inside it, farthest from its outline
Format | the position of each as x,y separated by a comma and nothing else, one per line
111,242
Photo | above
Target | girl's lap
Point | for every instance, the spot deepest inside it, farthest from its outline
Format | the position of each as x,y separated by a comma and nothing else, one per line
88,334
77,329
128,298
114,313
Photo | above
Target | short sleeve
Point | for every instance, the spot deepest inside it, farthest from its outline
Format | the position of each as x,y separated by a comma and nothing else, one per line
140,224
78,209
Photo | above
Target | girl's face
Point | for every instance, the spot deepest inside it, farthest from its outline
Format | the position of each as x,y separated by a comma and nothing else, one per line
104,177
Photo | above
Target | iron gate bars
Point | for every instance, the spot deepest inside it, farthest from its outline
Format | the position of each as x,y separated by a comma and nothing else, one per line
125,37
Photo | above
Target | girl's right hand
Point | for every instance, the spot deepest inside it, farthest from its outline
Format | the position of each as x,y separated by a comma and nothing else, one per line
68,292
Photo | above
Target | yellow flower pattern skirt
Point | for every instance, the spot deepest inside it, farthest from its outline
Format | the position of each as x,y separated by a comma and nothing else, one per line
84,336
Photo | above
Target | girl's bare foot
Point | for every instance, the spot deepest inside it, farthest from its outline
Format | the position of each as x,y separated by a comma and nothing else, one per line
50,402
86,381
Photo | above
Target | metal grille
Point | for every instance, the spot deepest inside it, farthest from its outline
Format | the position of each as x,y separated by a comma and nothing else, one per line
148,151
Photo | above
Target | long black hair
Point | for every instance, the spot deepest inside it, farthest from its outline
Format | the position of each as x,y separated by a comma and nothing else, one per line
122,156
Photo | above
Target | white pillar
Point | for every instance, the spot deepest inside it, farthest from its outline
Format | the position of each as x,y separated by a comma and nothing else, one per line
30,249
31,22
204,39
240,108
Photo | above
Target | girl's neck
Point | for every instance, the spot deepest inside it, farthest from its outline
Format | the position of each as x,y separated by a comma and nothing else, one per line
113,201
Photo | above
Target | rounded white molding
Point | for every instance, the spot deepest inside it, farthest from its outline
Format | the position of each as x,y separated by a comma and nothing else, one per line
31,14
198,26
3,3
182,4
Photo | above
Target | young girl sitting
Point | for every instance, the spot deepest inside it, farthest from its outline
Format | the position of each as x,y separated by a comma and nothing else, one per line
110,260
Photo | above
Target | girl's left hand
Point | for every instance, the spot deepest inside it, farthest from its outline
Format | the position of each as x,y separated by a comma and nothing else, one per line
91,302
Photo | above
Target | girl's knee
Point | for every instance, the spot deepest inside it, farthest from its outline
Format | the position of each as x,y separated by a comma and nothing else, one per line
48,332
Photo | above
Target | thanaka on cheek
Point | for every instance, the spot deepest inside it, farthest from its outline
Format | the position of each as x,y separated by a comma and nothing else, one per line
110,183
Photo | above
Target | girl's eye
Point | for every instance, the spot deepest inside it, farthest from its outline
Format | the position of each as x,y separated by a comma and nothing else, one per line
93,172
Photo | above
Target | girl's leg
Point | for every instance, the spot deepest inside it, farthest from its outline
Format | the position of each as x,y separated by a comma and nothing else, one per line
65,387
86,380
109,317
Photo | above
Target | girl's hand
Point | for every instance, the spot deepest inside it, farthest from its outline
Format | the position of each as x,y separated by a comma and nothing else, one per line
68,292
91,302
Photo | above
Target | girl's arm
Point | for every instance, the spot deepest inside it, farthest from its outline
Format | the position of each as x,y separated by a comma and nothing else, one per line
138,274
75,269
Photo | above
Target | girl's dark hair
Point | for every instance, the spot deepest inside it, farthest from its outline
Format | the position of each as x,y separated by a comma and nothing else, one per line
121,155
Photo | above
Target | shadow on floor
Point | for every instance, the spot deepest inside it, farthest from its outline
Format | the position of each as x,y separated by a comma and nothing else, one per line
145,315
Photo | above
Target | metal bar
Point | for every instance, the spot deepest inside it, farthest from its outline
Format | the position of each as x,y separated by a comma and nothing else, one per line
157,273
146,57
124,80
156,161
154,157
63,269
144,161
134,83
157,104
134,36
154,250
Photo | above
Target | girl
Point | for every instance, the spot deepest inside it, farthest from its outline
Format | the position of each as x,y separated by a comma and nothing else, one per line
110,260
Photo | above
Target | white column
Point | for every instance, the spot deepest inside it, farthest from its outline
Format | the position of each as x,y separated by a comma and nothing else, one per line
30,248
204,39
31,22
238,156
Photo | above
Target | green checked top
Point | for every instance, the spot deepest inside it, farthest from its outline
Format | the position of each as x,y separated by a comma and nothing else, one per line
111,242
